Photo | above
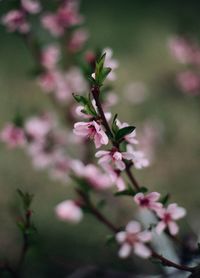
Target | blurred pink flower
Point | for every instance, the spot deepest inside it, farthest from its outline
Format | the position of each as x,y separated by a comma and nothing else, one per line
78,39
13,136
110,63
47,81
115,157
149,201
60,168
168,216
189,82
38,127
15,20
50,56
65,17
31,6
93,131
133,240
138,158
69,211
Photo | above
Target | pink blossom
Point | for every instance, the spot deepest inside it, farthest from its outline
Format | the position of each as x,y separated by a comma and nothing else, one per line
168,216
50,56
31,6
13,136
189,82
65,17
93,131
115,157
47,81
185,51
133,240
15,20
149,201
78,39
69,211
117,179
38,127
138,158
110,63
60,168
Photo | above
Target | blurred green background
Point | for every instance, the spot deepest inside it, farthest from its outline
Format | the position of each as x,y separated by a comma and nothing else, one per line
138,32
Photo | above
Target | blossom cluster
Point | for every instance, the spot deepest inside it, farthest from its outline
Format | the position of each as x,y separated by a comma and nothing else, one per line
54,147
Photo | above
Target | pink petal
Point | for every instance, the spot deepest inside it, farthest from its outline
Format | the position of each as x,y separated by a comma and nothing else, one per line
173,228
141,250
153,196
160,227
138,197
120,237
128,156
125,250
133,227
120,165
145,236
101,153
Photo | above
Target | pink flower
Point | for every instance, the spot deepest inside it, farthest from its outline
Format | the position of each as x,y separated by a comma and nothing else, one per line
47,81
110,63
185,51
69,211
149,201
189,82
115,157
13,136
93,131
78,39
15,20
38,127
133,239
65,17
31,6
138,158
60,168
168,216
50,56
96,177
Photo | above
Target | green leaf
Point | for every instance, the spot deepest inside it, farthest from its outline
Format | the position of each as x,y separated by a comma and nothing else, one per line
143,189
114,126
80,99
110,239
26,199
87,104
127,192
18,120
101,72
165,199
21,226
123,132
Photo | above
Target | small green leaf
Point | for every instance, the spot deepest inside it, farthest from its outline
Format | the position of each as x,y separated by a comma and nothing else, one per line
123,132
110,239
80,99
143,189
127,192
87,105
165,199
18,120
21,226
26,199
115,127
